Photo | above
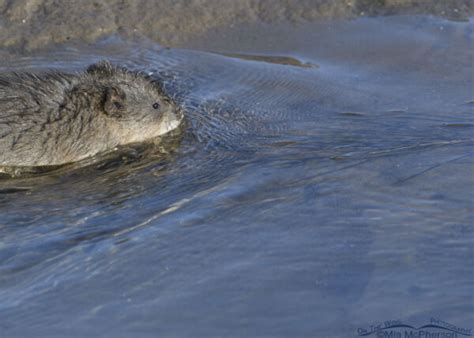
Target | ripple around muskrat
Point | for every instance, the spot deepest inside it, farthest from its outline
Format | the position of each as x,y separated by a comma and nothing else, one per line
234,106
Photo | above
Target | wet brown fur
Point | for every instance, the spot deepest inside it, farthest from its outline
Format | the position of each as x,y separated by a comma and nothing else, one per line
55,118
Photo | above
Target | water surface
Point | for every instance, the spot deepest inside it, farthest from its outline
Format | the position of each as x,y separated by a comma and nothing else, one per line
323,182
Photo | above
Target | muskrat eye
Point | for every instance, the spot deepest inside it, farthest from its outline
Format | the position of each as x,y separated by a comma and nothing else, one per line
156,105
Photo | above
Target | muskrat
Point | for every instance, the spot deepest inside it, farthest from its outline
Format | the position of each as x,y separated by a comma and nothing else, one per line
54,118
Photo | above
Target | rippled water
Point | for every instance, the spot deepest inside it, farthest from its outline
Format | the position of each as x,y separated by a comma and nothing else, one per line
319,185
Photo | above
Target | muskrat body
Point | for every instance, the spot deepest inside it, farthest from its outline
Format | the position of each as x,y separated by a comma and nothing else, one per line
55,118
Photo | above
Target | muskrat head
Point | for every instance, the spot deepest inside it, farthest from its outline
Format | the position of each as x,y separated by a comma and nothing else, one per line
135,105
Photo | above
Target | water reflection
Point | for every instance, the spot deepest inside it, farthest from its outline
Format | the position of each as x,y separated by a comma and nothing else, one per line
298,201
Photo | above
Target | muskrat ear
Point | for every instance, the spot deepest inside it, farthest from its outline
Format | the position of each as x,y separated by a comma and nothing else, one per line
102,68
114,101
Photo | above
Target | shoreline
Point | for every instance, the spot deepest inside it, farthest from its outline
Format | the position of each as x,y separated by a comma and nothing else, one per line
27,25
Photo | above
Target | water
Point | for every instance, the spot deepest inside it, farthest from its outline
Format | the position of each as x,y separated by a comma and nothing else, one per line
298,200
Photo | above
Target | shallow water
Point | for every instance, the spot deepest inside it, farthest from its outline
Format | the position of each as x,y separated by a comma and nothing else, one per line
299,201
